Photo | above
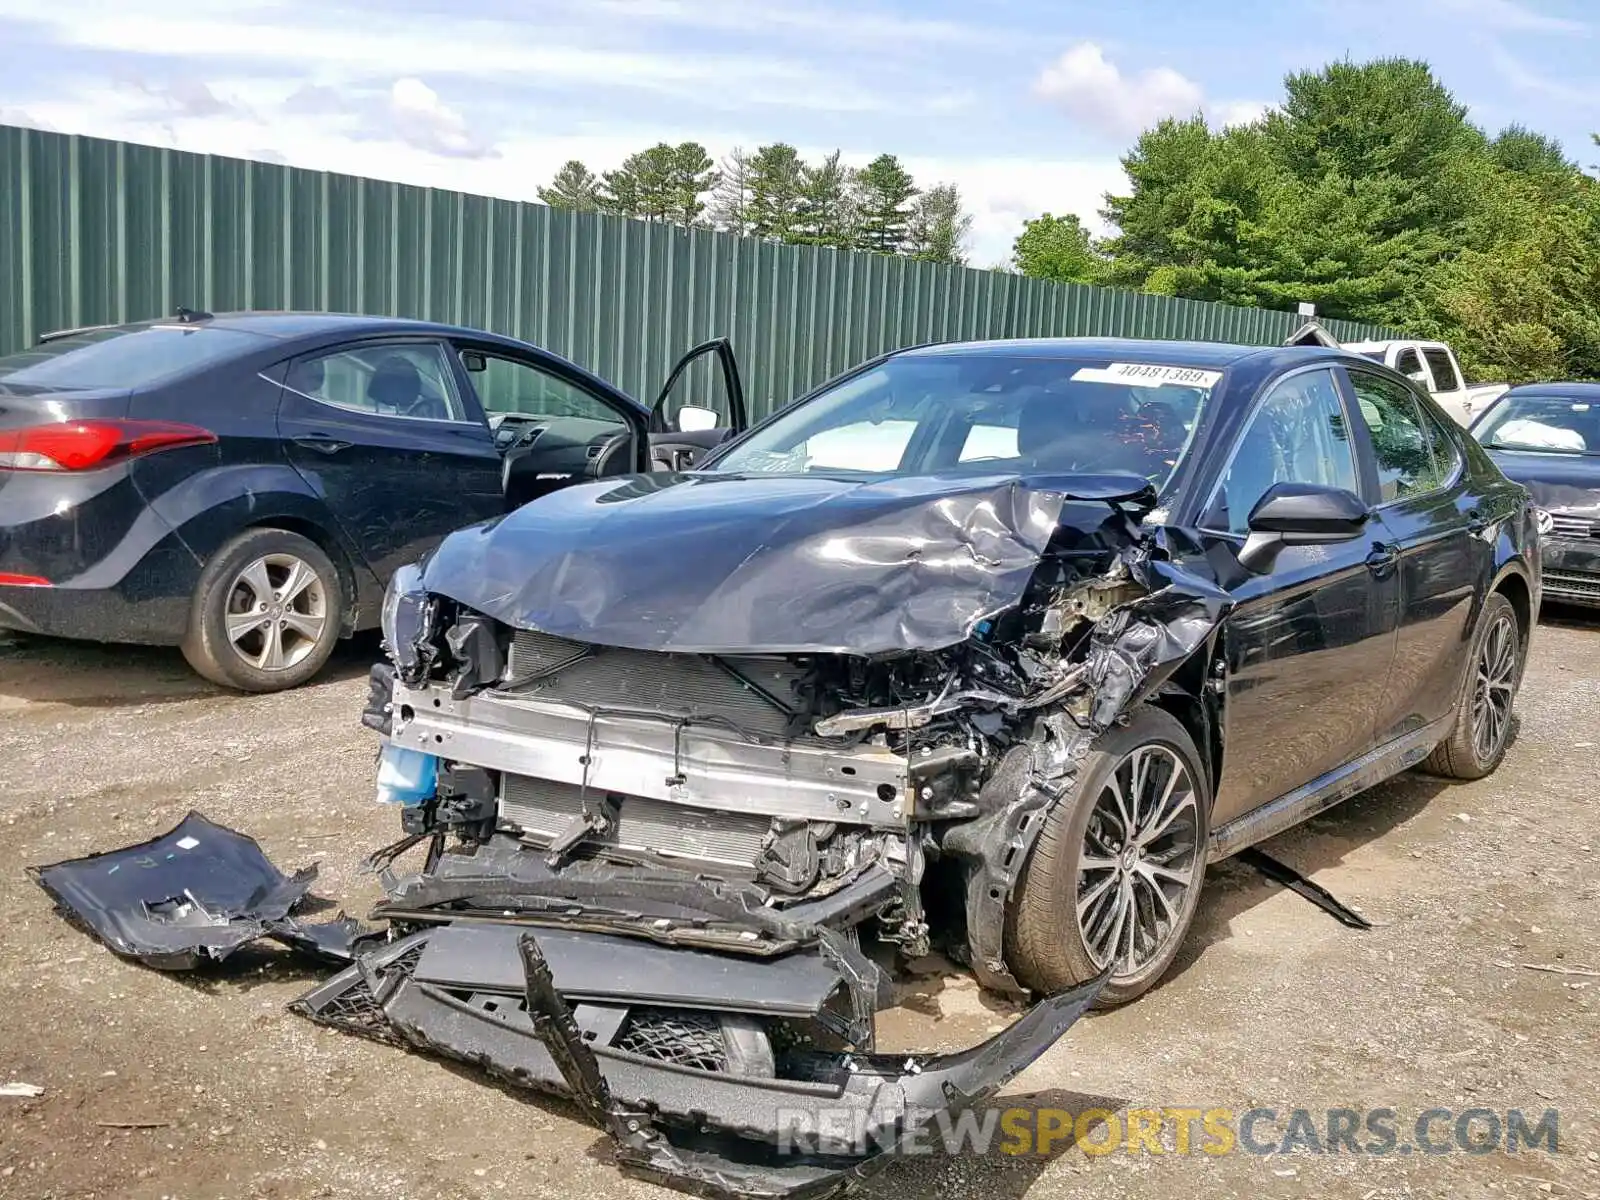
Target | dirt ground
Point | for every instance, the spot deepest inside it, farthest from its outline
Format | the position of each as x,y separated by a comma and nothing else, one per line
1273,1004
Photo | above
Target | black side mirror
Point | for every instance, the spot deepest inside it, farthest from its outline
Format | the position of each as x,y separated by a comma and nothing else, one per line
1300,514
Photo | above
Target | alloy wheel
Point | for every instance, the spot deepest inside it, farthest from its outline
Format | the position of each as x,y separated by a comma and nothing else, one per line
1141,858
1494,688
276,613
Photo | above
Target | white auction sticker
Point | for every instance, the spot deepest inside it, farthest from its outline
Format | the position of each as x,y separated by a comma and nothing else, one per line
1148,375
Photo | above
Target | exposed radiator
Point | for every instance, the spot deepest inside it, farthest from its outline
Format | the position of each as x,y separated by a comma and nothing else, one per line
543,809
691,685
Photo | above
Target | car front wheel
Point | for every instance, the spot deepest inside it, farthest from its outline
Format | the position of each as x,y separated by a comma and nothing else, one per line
266,614
1115,876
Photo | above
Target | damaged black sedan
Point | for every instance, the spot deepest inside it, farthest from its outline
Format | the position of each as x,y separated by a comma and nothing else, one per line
988,648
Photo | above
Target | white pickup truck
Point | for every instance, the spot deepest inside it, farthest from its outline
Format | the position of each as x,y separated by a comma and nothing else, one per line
1434,366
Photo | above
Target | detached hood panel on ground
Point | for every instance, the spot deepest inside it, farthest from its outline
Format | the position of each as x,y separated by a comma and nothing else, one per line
770,564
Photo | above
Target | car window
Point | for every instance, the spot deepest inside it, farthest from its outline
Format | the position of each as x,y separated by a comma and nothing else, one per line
393,379
1393,417
1549,424
1446,455
989,443
916,414
1407,362
125,358
505,385
1297,435
1444,371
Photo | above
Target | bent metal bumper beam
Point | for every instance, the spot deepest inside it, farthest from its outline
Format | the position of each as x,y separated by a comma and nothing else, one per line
701,765
712,1134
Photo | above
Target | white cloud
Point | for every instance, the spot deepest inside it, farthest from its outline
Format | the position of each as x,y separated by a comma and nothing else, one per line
327,43
1226,113
422,120
1002,193
1094,90
1507,16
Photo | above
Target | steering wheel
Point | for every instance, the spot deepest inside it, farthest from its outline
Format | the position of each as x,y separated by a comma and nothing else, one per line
601,462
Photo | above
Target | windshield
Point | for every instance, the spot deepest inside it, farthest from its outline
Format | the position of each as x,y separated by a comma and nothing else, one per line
1550,424
919,414
123,358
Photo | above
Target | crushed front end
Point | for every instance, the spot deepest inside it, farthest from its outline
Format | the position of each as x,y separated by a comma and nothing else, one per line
675,816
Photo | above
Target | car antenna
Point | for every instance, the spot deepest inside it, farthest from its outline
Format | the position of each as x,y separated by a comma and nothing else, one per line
188,316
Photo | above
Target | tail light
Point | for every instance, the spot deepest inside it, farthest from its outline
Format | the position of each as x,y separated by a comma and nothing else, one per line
87,445
12,579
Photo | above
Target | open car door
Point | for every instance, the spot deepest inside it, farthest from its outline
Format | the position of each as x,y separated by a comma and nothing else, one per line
697,410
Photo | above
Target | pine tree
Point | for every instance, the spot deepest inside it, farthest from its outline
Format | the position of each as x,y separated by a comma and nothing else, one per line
828,214
693,175
885,190
574,187
643,186
777,177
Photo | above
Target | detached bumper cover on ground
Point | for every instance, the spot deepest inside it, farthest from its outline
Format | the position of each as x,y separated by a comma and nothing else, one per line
694,1097
685,1019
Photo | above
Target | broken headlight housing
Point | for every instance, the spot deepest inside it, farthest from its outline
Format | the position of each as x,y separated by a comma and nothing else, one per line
407,620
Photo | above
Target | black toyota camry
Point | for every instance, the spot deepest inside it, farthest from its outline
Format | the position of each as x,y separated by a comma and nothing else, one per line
244,485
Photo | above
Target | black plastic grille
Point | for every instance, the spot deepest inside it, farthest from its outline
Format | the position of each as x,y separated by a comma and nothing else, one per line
682,1037
691,685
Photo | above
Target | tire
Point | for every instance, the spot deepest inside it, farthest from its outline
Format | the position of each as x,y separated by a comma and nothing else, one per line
246,579
1048,946
1487,692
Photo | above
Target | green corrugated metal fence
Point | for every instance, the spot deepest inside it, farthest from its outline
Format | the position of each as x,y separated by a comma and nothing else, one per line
93,231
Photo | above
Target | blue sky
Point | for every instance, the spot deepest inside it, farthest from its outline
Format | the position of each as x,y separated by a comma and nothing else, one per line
1026,104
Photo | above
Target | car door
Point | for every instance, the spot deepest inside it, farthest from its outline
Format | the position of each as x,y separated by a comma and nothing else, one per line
553,424
697,409
382,431
1308,644
1429,516
1448,391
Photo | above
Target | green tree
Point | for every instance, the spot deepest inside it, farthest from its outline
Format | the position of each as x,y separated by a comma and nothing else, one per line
884,191
693,176
828,214
574,187
938,228
777,181
644,186
1059,249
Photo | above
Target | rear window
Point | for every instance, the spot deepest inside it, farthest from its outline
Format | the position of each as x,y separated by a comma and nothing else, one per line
124,358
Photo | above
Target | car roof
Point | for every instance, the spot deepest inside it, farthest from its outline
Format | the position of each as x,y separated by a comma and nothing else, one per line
1385,344
286,325
1572,391
1200,354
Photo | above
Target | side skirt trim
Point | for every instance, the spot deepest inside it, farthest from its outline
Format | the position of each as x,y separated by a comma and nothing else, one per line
1322,793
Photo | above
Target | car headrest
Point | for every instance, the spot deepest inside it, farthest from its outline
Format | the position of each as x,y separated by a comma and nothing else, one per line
395,383
306,376
1067,410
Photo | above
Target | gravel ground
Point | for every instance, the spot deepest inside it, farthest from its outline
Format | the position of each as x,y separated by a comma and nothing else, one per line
1273,1004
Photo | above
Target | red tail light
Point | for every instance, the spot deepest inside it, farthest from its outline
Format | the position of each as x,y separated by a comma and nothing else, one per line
86,445
12,579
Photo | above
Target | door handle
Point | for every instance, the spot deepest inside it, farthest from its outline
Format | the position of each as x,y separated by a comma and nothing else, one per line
1382,558
1477,520
321,443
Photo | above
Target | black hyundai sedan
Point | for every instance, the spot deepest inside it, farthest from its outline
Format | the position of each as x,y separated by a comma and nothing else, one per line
245,485
1547,437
